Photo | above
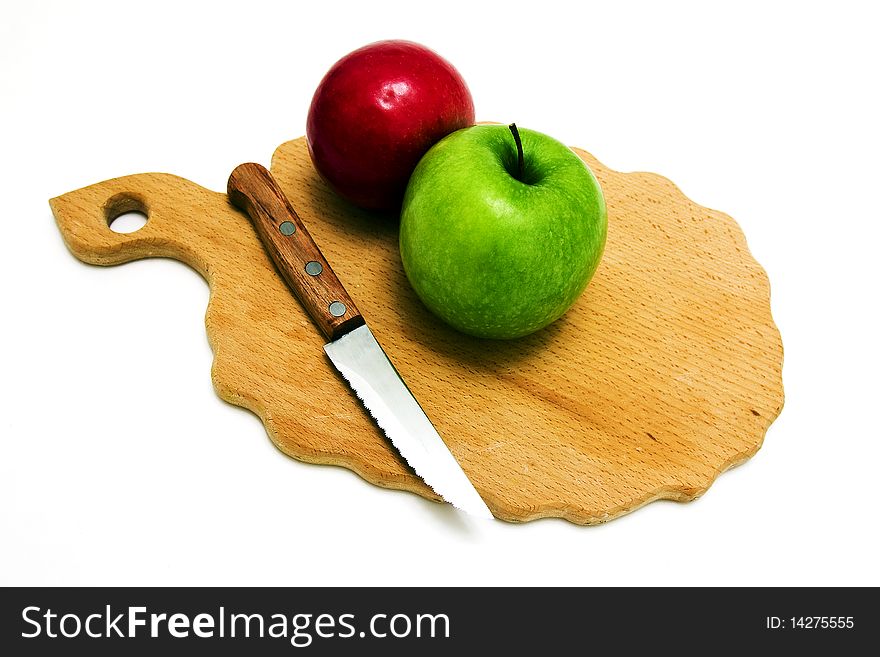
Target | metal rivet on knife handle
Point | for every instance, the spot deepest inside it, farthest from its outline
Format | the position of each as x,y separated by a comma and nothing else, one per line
253,189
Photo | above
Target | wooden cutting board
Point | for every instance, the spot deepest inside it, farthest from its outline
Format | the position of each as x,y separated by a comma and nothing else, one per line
666,372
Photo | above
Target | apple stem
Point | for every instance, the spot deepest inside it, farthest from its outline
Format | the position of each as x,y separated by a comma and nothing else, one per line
519,150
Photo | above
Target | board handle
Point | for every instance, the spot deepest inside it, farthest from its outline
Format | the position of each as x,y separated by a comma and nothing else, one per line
253,189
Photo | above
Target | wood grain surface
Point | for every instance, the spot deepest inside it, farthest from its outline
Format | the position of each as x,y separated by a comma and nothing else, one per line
666,372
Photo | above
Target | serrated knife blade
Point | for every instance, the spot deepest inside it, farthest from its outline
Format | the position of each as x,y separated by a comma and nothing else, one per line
361,360
352,349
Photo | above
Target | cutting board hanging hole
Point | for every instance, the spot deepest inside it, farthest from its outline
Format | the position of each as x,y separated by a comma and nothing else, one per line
126,213
128,222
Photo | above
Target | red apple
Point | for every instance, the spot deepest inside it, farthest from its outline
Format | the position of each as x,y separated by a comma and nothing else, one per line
376,112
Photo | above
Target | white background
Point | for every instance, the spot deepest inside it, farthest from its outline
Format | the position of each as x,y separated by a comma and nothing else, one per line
119,465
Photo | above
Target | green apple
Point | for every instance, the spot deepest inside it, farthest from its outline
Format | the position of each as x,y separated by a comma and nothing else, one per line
501,230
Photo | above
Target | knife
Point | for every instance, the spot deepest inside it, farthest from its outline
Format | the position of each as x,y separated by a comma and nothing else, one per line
352,348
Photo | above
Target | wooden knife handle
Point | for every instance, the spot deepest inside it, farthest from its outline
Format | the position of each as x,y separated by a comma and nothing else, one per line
253,189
